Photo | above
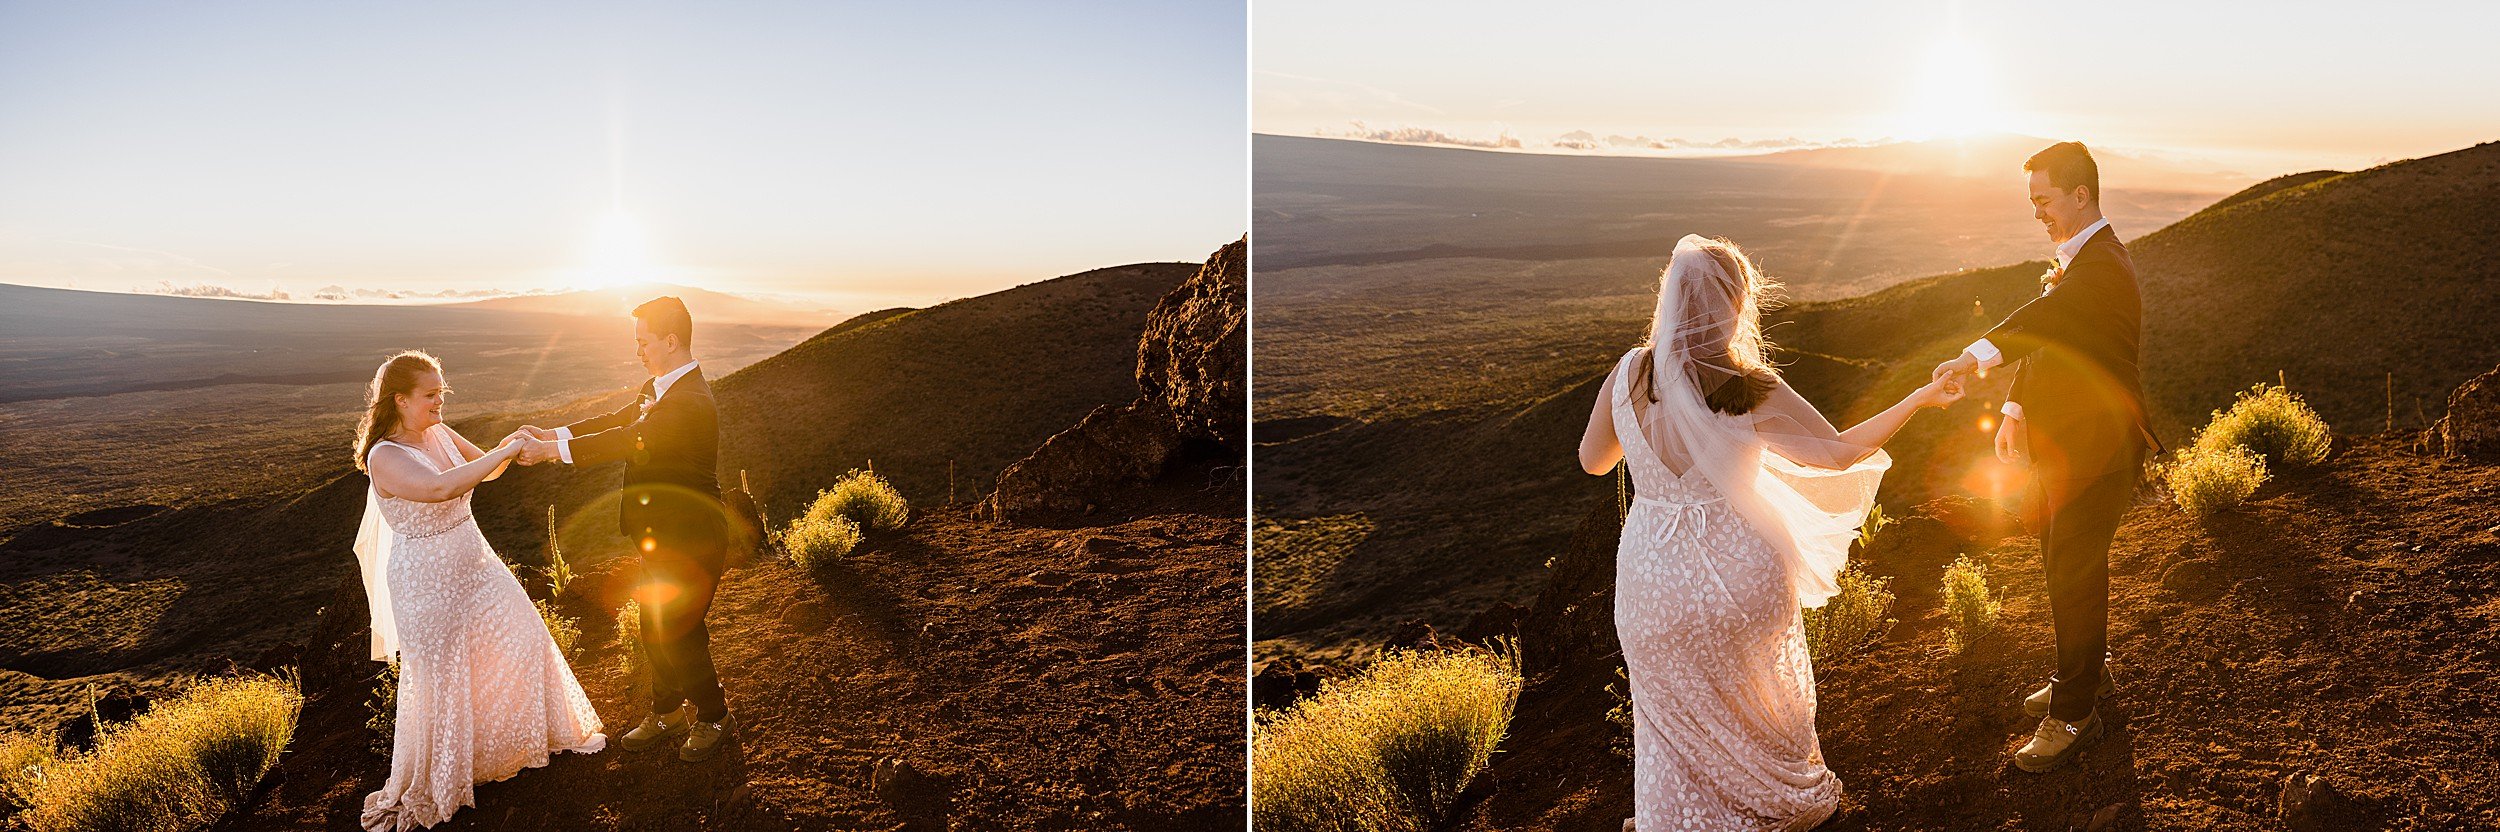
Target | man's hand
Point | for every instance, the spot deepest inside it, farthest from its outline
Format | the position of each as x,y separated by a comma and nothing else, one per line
534,451
1961,365
2013,441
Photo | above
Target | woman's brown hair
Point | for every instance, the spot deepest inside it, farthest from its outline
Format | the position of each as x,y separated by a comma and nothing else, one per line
397,377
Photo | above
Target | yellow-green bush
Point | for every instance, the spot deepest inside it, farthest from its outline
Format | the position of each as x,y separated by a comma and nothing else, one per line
2207,480
866,499
816,542
382,709
2272,423
22,761
1853,620
629,636
179,766
560,627
1970,606
1389,748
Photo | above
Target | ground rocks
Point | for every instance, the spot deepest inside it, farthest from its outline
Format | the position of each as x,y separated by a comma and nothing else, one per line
2472,427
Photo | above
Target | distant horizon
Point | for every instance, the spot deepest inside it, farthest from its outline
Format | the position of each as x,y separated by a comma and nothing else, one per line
864,156
2242,88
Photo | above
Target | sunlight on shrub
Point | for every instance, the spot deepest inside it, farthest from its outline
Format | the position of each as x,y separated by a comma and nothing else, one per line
1620,715
2208,480
1387,749
1853,620
1875,523
22,761
181,765
561,627
382,709
866,499
1970,607
2272,423
817,542
629,637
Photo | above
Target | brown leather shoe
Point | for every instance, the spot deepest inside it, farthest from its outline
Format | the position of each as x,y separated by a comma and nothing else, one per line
703,739
656,729
2037,704
2057,741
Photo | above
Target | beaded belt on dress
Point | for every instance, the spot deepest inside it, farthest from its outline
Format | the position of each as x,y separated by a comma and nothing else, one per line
1678,510
441,531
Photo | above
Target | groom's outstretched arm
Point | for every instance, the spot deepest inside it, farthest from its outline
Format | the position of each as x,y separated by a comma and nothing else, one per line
2082,303
669,424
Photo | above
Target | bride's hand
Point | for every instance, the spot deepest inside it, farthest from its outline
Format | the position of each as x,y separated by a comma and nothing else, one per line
1941,392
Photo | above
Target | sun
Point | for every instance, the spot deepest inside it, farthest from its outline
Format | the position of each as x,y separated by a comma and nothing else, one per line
1952,99
618,254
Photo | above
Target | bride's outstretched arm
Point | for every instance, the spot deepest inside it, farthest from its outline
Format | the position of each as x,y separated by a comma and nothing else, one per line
469,451
1600,448
397,473
1794,429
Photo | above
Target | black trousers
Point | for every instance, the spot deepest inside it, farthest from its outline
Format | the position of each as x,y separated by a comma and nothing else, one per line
679,577
2076,518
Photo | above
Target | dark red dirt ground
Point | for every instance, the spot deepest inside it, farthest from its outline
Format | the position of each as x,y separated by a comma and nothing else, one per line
2346,625
1086,677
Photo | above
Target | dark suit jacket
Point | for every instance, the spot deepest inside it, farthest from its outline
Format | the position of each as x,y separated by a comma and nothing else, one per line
671,452
2081,391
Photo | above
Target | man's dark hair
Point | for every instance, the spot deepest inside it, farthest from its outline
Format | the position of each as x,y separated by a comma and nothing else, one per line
667,316
2068,164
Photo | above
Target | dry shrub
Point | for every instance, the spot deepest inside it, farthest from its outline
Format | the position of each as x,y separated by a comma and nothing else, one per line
2208,480
179,766
815,542
561,627
2271,423
1970,606
1853,620
867,500
1387,749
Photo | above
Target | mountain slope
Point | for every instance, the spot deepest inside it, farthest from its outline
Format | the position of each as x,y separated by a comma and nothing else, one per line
979,659
614,302
2333,282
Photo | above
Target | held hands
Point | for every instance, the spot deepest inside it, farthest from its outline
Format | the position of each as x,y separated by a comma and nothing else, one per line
1962,364
1942,391
531,448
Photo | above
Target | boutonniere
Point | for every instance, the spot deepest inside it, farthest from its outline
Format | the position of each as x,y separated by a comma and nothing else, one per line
645,404
2049,278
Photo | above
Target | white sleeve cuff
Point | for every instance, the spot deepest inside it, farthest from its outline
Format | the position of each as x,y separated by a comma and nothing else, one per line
564,444
1986,352
2012,410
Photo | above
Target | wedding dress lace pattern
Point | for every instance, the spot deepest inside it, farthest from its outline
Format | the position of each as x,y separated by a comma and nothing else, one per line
1739,521
483,691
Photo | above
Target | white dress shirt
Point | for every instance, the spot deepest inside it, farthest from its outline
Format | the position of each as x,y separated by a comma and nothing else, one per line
1986,353
659,387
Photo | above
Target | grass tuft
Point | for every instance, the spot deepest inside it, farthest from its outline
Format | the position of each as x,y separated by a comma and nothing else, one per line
2271,423
2207,480
179,766
1853,620
864,498
1389,748
1970,606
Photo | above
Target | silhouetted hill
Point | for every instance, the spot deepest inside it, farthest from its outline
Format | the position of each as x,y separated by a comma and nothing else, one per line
613,303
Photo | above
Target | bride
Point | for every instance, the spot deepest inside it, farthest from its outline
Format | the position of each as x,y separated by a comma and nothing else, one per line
483,691
1722,546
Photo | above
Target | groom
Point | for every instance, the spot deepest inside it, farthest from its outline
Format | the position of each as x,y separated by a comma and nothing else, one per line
2076,411
669,440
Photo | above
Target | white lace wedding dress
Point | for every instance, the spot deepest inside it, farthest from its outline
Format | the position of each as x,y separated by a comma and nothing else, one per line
1707,608
483,691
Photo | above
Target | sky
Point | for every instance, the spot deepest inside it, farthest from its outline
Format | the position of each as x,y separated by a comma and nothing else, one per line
855,154
2264,88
